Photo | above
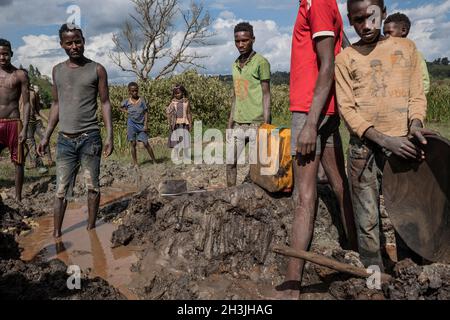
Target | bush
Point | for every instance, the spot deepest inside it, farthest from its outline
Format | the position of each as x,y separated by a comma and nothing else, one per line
211,103
210,100
439,102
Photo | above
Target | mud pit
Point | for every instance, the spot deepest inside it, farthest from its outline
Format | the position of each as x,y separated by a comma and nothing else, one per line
214,245
41,278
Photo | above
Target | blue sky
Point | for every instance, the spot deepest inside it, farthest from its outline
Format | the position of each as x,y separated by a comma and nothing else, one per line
32,30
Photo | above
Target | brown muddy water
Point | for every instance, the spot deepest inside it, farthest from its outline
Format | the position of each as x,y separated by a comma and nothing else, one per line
90,250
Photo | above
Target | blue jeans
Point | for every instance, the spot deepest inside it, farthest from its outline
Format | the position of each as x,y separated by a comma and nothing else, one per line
72,153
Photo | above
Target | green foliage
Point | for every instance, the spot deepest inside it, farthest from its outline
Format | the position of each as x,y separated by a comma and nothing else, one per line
44,84
210,100
438,71
211,103
439,101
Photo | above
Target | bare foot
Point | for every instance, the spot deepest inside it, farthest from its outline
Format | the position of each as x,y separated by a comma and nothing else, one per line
288,290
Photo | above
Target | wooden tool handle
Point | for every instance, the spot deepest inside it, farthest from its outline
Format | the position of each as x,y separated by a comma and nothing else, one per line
327,262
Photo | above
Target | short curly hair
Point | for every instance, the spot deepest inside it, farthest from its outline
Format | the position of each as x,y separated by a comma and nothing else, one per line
400,18
244,27
68,27
5,43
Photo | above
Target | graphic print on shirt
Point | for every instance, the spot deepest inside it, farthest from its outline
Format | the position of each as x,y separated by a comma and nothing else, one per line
398,60
241,89
378,79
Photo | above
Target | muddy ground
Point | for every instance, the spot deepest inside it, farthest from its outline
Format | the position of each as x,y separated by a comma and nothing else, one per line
212,245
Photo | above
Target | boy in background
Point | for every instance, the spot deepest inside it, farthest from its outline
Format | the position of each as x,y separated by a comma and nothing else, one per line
399,25
137,122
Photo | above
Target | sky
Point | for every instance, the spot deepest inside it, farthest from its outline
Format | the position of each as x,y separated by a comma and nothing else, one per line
32,28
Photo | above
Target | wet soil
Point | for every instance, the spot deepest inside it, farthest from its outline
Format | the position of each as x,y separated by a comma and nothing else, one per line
213,245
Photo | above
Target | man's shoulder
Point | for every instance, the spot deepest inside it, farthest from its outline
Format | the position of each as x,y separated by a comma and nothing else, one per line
60,65
260,59
326,4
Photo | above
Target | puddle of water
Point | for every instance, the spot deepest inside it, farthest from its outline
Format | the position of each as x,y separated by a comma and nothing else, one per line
90,250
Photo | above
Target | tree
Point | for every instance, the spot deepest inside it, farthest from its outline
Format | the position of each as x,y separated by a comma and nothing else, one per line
444,61
31,71
147,39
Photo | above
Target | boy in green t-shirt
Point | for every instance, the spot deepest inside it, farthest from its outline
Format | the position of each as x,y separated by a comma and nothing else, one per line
251,94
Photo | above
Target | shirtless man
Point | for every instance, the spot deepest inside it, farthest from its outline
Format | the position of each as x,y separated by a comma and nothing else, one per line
13,84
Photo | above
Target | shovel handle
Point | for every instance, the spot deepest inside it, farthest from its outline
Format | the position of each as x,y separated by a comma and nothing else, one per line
327,262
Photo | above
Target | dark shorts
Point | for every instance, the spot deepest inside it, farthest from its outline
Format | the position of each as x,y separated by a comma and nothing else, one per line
135,132
72,154
9,138
329,125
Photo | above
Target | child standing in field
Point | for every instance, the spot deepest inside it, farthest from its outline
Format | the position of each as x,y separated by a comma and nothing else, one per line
137,121
179,117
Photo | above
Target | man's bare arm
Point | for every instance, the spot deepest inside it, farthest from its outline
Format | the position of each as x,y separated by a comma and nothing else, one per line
53,119
24,82
103,91
308,136
265,85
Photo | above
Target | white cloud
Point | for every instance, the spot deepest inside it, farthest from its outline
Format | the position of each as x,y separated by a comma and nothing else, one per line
96,17
271,42
429,28
44,51
430,23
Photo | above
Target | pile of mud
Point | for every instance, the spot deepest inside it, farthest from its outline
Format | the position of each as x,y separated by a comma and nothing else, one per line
217,245
410,282
48,281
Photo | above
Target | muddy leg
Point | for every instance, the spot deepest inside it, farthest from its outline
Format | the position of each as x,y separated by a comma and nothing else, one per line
334,165
322,177
150,151
303,225
93,206
59,209
134,152
19,181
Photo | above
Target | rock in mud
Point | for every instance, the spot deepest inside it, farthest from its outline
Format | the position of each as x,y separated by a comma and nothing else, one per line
413,282
12,215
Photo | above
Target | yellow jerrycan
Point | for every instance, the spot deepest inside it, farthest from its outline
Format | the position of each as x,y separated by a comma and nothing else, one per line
273,170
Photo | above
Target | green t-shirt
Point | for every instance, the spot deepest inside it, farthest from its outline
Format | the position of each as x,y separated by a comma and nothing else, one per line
247,87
